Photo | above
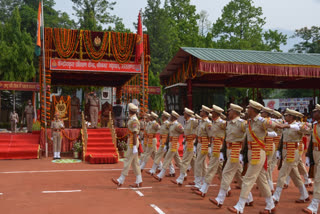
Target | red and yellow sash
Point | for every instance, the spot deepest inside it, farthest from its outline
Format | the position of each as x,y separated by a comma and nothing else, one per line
315,134
150,139
189,142
256,146
291,148
217,143
276,141
269,145
204,145
174,143
235,151
130,139
163,139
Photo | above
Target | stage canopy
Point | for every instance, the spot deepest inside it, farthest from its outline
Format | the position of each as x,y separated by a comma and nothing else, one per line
242,68
89,58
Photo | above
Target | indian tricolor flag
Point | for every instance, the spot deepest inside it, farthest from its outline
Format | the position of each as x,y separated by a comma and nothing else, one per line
39,25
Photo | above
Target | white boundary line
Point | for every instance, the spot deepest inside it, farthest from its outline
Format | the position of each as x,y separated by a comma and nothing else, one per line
212,185
139,193
1,193
61,191
122,188
157,209
71,170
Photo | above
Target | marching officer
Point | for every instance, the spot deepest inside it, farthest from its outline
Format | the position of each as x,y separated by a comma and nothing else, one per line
145,138
164,132
256,132
152,139
29,112
175,130
204,139
75,107
189,134
313,158
132,152
235,133
56,127
292,135
218,130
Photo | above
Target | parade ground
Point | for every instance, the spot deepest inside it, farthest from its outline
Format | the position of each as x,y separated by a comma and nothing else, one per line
40,186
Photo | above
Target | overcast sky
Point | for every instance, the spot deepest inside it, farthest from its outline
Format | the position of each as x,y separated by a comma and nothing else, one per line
284,15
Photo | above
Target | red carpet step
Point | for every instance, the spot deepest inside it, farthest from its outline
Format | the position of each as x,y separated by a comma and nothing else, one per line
19,146
100,148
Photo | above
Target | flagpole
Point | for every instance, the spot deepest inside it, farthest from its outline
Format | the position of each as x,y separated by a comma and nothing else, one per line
142,68
44,81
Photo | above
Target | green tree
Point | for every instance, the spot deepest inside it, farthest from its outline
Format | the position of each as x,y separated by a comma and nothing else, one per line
6,8
241,27
310,40
93,14
16,51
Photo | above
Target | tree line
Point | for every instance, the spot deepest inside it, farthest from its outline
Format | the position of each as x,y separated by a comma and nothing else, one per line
170,24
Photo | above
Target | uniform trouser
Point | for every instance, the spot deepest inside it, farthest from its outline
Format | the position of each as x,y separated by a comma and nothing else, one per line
289,169
131,160
270,162
56,141
29,122
151,150
214,167
74,116
255,174
316,180
229,172
200,165
169,156
94,115
159,155
13,126
273,163
301,167
186,160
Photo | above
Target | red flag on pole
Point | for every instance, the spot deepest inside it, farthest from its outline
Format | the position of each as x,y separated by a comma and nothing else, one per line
139,43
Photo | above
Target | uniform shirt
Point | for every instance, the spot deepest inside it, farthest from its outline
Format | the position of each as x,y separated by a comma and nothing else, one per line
205,129
57,124
218,128
259,126
28,109
164,128
176,129
147,127
154,127
269,128
190,127
295,132
14,117
94,101
134,124
277,130
235,130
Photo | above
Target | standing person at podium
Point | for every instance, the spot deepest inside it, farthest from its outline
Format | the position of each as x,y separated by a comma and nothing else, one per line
29,111
94,108
56,127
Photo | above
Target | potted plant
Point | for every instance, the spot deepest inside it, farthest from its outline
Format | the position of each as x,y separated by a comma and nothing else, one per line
77,148
122,147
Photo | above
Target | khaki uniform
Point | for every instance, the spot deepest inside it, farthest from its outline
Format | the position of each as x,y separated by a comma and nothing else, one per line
164,131
14,119
204,136
189,133
175,130
29,111
56,127
235,132
276,141
290,154
316,158
256,156
75,105
152,142
130,158
218,134
270,152
94,110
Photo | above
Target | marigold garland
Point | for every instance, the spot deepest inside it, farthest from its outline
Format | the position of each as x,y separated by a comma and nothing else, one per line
94,54
66,42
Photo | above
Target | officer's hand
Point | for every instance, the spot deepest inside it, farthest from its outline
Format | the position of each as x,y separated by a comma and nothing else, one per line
135,150
278,155
194,149
165,148
307,161
221,158
241,159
